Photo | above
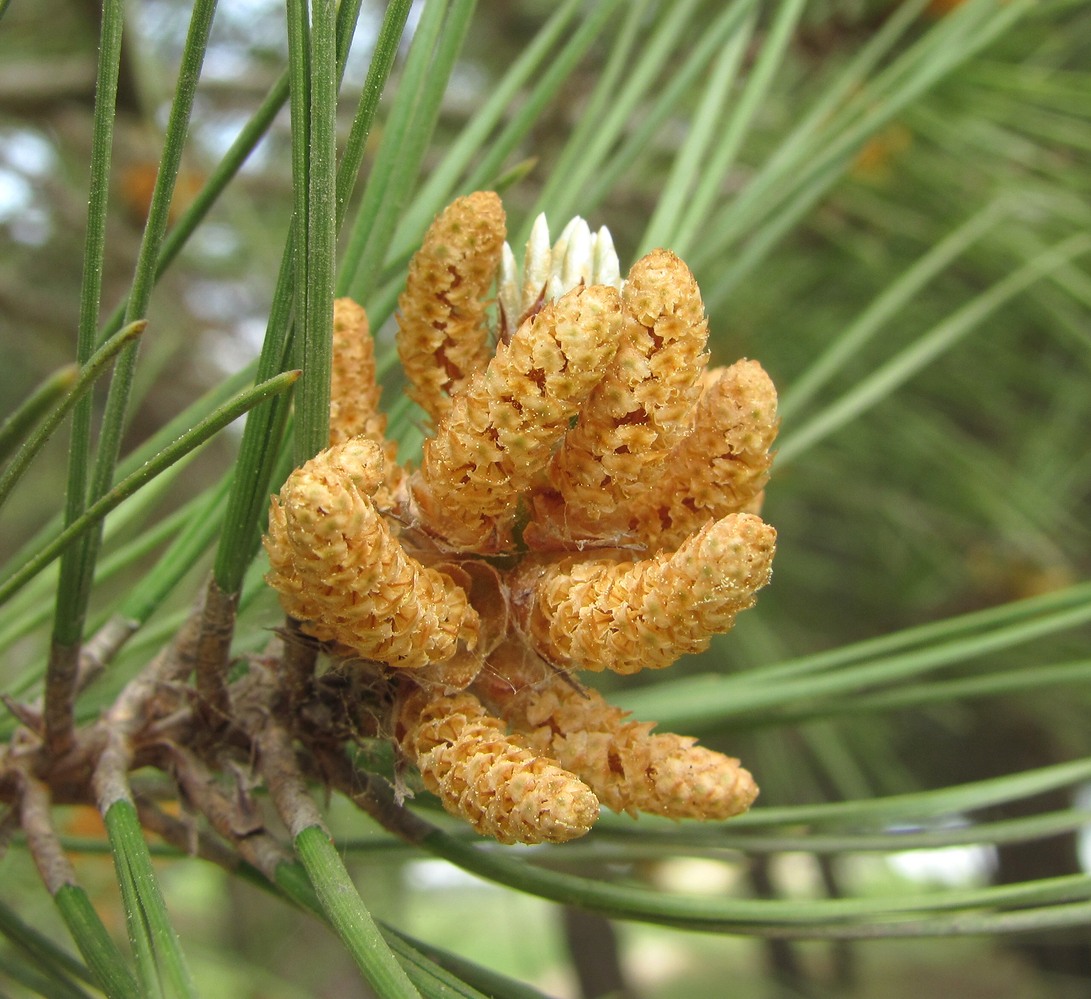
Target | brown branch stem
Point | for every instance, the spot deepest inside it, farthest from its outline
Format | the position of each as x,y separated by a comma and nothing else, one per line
102,647
42,840
60,697
131,711
374,796
184,836
237,818
214,654
298,657
284,779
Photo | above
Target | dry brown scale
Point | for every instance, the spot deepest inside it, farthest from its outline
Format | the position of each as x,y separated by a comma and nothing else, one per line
587,500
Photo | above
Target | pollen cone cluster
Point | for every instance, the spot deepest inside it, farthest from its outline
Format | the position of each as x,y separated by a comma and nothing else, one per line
587,500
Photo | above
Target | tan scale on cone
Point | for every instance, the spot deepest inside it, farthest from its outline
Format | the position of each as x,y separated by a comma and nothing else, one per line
339,568
587,500
641,407
442,335
354,394
630,768
498,435
503,789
